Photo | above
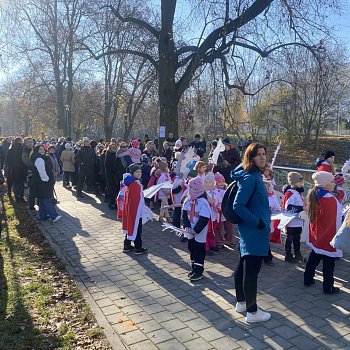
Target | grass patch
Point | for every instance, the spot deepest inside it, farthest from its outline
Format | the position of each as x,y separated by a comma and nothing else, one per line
40,306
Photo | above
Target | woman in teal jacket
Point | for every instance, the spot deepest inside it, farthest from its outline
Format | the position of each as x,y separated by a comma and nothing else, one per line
252,206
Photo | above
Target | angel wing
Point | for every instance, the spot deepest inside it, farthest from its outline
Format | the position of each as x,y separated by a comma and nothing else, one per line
218,149
188,157
147,215
346,168
150,192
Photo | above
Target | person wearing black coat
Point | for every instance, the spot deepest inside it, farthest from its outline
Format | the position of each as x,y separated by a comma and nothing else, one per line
111,168
86,159
16,170
43,184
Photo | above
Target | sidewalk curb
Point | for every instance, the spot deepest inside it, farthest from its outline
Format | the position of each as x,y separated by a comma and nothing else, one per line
113,338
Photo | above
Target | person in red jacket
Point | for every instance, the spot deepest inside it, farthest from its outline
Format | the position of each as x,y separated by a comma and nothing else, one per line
133,209
326,162
325,214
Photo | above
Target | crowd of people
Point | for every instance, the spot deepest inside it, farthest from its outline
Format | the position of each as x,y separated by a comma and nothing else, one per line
193,193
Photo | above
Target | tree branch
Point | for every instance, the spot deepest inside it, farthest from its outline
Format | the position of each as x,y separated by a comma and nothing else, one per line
130,19
122,51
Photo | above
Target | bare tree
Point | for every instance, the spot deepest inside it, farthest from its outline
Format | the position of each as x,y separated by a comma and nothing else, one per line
260,27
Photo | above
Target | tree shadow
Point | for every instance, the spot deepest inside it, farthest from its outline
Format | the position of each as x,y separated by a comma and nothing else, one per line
17,327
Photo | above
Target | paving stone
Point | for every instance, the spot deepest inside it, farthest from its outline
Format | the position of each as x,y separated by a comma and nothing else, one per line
145,345
172,344
286,332
135,336
197,344
163,316
184,335
149,326
153,308
160,336
224,344
173,325
303,342
210,334
277,343
104,302
186,315
176,307
251,343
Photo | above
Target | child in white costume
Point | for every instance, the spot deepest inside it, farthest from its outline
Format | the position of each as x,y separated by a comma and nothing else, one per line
223,229
196,214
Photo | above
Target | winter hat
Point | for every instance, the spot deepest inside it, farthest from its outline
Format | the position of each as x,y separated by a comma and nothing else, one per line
322,178
68,146
226,141
327,153
338,179
162,165
134,167
192,173
219,177
68,139
209,176
135,143
178,144
196,187
294,177
214,143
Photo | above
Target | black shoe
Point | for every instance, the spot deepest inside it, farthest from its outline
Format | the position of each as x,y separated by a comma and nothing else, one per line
334,290
308,284
190,274
141,251
299,258
80,195
129,249
269,263
290,259
196,277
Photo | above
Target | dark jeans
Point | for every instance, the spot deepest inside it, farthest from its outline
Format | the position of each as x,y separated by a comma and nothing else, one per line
197,255
177,216
111,189
68,177
293,236
47,208
18,189
90,180
328,269
246,280
138,239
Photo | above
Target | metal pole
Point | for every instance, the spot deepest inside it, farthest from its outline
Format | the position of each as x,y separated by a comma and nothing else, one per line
68,121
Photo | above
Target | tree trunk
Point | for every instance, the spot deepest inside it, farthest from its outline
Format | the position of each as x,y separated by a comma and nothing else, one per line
167,68
108,132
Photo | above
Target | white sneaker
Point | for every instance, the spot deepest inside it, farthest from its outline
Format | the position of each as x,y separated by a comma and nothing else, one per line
241,306
58,217
259,316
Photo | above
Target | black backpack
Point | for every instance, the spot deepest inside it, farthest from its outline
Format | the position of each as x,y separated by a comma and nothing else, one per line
227,203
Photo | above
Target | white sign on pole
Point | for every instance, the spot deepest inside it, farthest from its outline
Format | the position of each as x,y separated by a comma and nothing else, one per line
162,131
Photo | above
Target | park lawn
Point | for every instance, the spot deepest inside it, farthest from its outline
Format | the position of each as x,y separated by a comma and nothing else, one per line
40,305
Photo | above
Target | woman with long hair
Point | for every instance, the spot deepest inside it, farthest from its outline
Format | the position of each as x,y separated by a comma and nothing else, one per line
325,214
252,206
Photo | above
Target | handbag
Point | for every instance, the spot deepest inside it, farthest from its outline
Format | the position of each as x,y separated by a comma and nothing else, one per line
341,240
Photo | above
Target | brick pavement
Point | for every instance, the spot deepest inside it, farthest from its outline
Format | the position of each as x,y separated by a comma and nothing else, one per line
147,302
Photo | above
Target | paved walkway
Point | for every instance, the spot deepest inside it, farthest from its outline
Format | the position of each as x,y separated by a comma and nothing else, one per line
146,302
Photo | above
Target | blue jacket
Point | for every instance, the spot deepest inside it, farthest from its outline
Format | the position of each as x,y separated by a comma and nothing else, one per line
251,204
